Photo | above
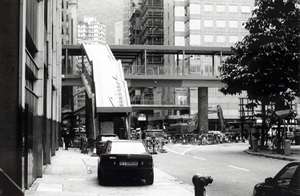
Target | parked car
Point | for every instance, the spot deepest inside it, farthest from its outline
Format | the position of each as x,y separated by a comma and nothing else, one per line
125,159
101,141
285,183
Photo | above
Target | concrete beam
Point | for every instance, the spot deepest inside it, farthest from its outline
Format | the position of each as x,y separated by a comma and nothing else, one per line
172,81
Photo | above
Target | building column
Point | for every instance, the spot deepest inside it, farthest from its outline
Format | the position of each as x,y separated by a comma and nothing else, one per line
202,109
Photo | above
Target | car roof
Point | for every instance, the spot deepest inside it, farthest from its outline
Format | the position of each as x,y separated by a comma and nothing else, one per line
108,134
126,141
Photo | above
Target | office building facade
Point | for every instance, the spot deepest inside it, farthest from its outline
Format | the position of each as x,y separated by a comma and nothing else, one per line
30,98
206,23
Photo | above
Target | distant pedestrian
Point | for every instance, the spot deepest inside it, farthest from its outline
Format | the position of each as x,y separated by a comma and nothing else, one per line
84,142
67,139
143,135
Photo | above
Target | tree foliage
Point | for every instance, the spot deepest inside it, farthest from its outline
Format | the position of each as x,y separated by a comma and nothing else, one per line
266,62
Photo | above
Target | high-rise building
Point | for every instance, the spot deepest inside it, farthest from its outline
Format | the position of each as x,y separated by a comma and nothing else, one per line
91,31
217,23
119,33
129,7
152,22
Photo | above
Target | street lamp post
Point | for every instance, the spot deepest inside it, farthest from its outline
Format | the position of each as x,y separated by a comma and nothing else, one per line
163,116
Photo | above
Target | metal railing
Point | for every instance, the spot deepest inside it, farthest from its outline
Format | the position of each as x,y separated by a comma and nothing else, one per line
8,186
167,70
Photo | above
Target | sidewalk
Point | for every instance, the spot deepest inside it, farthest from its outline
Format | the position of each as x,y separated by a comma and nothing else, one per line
294,155
74,173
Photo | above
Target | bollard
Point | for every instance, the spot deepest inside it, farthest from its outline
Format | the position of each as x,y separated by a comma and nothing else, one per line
200,182
254,145
287,147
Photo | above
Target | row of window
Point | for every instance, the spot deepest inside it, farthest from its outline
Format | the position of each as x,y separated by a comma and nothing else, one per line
91,29
195,40
90,26
219,8
194,24
85,35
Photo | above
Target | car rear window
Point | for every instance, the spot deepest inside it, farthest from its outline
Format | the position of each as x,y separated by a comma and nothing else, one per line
105,138
127,148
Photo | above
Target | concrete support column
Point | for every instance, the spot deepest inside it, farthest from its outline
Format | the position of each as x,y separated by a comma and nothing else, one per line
202,109
89,125
39,119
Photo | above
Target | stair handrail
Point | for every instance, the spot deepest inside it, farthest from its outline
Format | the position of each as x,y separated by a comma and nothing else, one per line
11,181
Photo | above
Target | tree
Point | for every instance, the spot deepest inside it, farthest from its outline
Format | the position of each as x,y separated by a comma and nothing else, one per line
266,63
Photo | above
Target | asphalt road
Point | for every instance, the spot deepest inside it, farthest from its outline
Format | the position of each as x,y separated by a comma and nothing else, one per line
234,172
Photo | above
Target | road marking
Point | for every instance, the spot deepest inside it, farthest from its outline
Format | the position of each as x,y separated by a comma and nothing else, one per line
181,153
238,168
199,158
190,149
168,149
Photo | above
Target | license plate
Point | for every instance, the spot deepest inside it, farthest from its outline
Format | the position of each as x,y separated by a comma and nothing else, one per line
129,163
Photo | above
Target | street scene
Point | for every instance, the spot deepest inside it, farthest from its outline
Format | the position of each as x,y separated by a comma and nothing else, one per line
234,172
150,97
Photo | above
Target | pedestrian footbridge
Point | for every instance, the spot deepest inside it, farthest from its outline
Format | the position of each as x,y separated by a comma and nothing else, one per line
110,87
106,72
110,70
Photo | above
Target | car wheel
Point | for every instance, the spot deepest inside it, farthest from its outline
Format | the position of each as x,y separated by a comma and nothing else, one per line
149,179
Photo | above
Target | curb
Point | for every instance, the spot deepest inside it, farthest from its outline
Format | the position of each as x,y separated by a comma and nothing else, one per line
281,157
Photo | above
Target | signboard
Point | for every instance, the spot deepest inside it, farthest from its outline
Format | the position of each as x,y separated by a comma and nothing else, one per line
142,117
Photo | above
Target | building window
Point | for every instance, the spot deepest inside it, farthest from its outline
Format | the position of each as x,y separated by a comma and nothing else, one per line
179,41
208,7
233,8
221,23
195,9
221,38
220,8
208,38
179,11
179,26
233,24
245,9
208,23
195,40
233,38
195,24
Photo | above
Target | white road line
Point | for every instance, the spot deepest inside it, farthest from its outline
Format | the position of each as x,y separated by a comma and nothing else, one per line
168,149
199,158
238,168
181,153
190,149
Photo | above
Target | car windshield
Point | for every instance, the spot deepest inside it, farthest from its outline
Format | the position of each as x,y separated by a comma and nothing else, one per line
127,148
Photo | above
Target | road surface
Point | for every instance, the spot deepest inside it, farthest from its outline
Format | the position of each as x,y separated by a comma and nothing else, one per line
234,172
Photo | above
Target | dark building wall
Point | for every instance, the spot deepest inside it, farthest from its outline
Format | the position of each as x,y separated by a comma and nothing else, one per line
10,110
